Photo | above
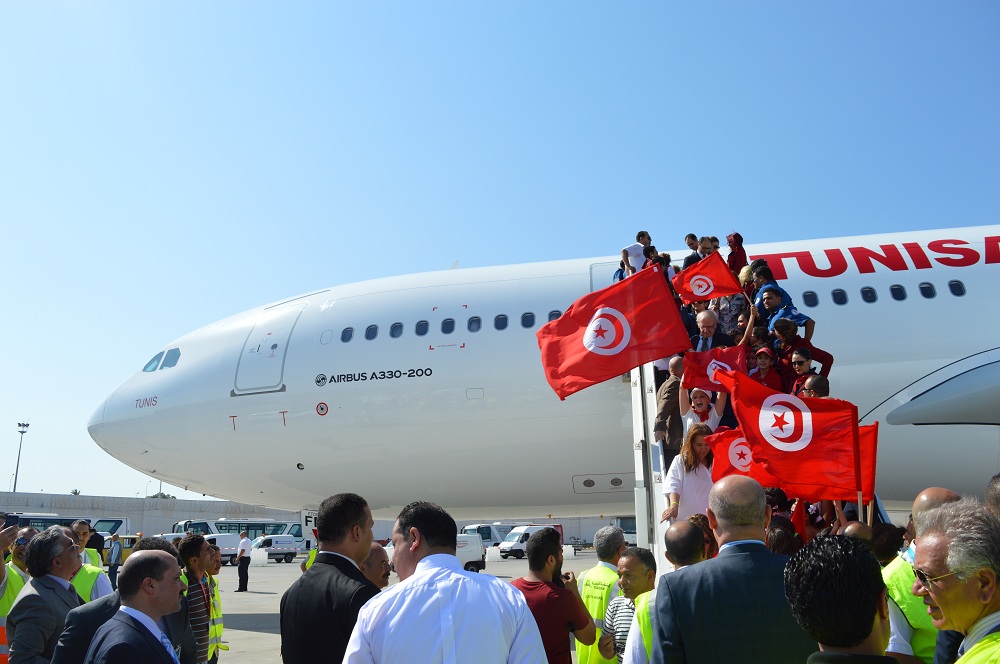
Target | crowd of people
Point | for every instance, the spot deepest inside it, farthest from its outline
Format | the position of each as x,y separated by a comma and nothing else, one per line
57,604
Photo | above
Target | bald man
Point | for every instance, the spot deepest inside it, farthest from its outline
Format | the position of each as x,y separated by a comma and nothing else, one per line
742,588
912,636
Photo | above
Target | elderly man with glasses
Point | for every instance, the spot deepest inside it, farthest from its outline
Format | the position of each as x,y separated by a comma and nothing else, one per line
39,613
955,571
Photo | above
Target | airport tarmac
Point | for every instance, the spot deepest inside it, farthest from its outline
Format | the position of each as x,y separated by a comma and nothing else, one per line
252,629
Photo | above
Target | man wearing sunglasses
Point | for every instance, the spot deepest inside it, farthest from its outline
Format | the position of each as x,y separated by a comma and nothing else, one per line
955,571
16,563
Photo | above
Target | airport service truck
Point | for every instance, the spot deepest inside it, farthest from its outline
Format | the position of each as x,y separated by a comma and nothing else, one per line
515,544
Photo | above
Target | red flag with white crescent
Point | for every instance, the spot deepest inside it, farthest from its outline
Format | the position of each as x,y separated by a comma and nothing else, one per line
708,278
611,331
811,445
732,454
700,367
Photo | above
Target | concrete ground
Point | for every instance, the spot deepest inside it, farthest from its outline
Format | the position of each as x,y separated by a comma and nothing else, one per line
251,618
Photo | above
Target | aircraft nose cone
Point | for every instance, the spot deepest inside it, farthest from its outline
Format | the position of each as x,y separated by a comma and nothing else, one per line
95,426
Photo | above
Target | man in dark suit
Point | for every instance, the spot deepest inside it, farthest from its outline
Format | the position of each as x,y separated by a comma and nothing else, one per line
38,614
691,240
319,610
669,426
709,336
83,622
731,608
150,587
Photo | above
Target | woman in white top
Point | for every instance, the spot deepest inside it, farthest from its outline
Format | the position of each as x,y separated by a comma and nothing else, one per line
698,409
690,476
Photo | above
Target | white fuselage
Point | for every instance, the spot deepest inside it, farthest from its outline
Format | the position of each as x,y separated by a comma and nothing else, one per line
466,419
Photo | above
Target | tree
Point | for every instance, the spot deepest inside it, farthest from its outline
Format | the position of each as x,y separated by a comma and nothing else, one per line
74,492
160,494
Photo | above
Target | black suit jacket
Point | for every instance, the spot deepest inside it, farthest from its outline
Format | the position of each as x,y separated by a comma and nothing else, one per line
319,610
691,259
719,340
730,609
125,640
84,621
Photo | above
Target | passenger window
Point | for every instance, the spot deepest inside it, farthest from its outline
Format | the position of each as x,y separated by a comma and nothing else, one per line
868,294
153,363
448,325
421,328
371,332
810,299
927,290
347,334
897,292
475,323
528,320
554,314
957,288
500,322
839,296
396,331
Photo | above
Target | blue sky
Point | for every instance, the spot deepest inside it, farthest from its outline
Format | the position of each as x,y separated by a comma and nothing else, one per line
166,164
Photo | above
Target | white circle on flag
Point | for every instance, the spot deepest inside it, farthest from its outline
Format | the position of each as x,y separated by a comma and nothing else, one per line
740,455
701,285
785,421
714,366
608,332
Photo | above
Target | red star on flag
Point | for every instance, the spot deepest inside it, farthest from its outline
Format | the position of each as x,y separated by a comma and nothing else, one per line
779,422
742,455
599,331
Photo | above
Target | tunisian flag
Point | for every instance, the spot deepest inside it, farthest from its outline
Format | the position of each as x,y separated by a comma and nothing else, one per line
732,454
611,331
700,367
708,278
811,445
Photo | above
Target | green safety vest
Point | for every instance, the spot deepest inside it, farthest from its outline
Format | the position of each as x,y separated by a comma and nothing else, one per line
645,623
598,585
95,557
311,558
986,651
898,577
215,619
84,581
10,591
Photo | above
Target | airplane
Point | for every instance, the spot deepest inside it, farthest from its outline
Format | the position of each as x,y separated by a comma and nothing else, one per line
430,386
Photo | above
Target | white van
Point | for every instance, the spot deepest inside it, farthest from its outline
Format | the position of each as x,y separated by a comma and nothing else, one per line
515,544
471,552
492,533
278,547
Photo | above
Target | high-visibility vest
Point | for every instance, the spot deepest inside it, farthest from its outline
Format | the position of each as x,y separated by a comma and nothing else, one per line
215,619
10,591
598,585
84,581
986,651
95,557
311,558
642,607
898,577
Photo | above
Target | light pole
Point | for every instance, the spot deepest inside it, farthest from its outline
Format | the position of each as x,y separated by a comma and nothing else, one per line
146,490
22,428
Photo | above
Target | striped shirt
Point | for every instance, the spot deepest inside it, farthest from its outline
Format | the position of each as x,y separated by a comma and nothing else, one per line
617,621
197,596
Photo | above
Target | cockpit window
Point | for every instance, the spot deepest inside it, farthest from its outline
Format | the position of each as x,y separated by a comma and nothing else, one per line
153,363
170,359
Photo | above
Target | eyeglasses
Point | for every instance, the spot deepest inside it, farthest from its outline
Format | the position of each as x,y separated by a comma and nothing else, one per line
806,389
799,363
21,541
925,580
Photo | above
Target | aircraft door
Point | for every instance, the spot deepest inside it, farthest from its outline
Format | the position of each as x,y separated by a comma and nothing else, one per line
602,275
261,367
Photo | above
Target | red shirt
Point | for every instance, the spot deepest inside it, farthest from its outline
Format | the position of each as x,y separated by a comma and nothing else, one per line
771,380
557,611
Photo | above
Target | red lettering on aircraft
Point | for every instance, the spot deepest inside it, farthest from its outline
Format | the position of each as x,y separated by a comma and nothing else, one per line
951,253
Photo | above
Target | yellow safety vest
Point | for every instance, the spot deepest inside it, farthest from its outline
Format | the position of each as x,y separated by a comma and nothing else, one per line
215,619
84,581
645,623
898,577
986,651
311,558
10,591
598,585
95,557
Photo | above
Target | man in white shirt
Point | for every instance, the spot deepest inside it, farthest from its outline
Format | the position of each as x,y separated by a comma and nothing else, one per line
243,561
439,613
632,254
150,587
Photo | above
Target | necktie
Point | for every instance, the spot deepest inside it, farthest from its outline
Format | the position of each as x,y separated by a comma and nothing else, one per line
170,647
